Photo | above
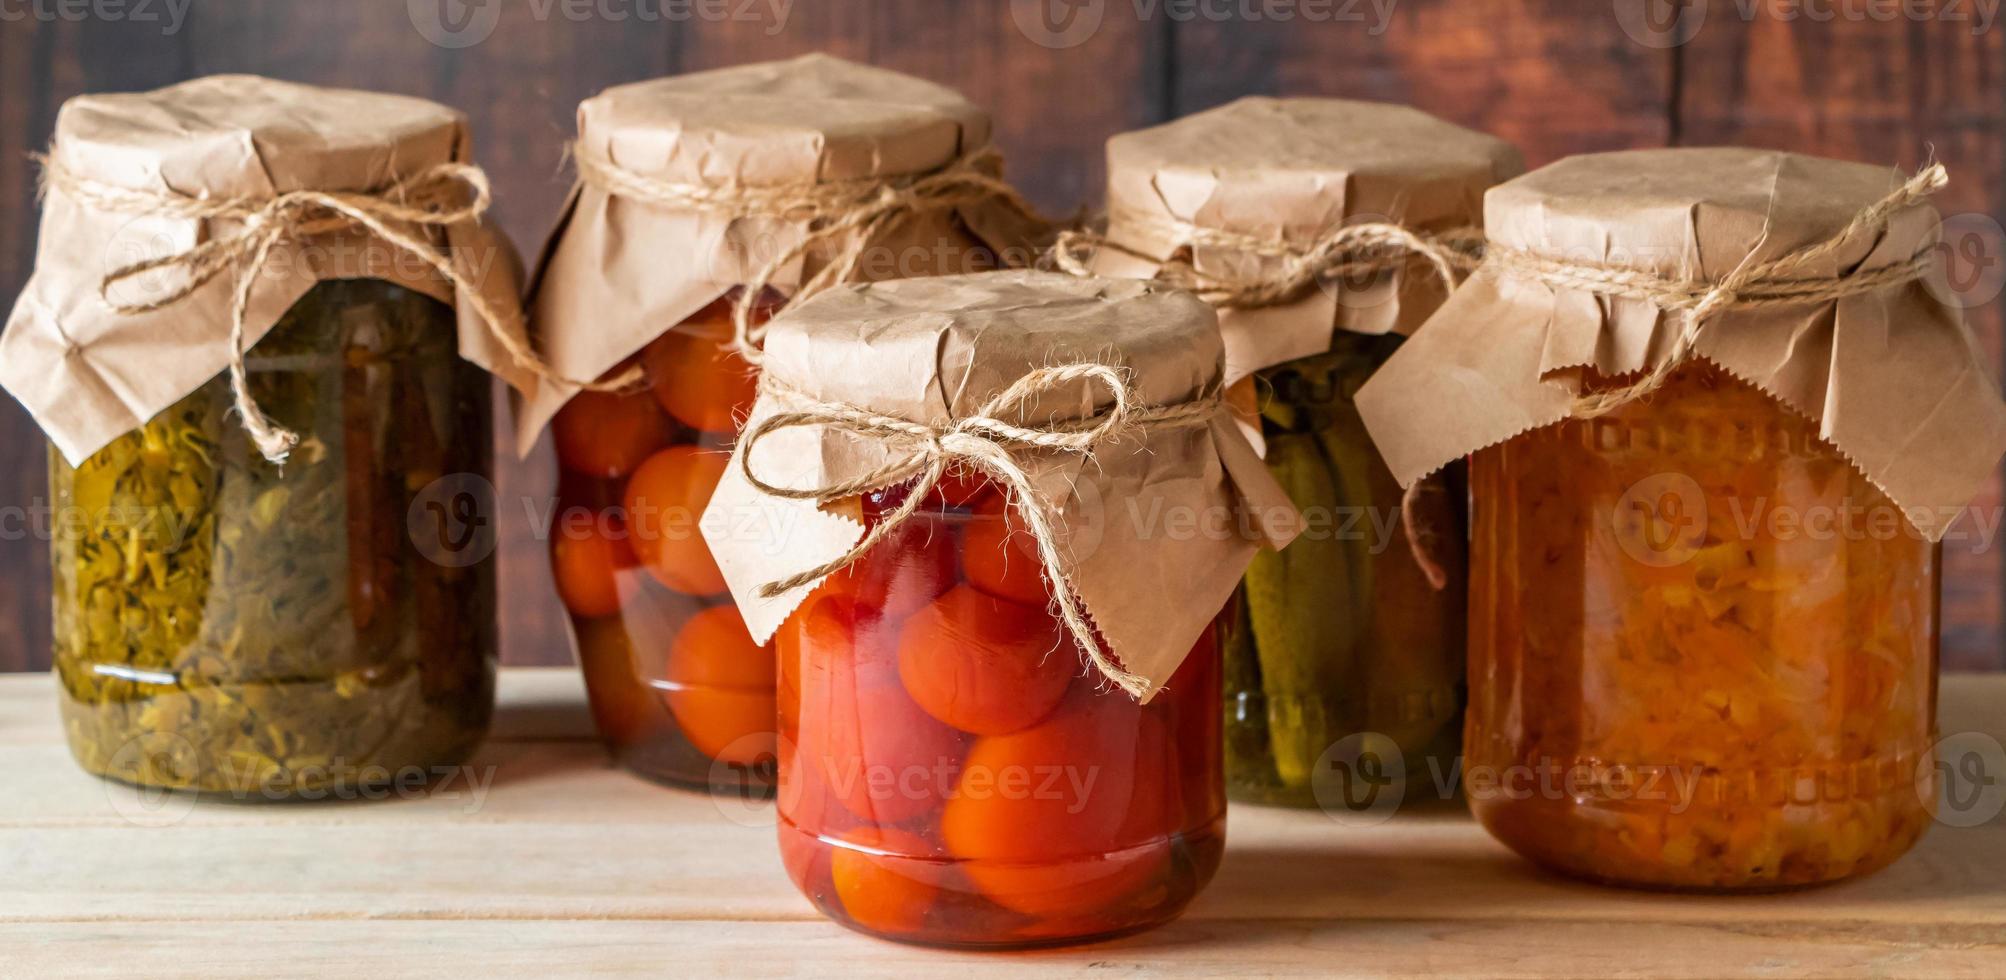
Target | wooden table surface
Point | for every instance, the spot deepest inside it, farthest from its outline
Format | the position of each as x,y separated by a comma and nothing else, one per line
562,865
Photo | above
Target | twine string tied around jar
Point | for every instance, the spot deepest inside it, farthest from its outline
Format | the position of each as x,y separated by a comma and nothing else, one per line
989,443
438,197
848,215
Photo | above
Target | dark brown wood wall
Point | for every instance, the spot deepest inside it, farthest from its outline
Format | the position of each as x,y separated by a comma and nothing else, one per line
1835,77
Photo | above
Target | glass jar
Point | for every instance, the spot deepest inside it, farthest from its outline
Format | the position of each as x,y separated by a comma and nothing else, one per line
254,631
950,776
1341,636
679,691
1703,649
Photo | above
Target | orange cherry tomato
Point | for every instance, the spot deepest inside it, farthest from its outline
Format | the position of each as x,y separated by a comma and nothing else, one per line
1066,818
720,687
910,568
984,665
887,883
699,379
606,435
860,738
586,559
996,557
665,500
624,707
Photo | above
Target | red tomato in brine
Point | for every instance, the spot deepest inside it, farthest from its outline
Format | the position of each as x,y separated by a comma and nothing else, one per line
984,665
889,881
860,738
997,556
665,501
911,567
1068,817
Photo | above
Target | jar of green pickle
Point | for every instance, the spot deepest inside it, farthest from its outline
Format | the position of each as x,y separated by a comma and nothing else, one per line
272,569
1324,231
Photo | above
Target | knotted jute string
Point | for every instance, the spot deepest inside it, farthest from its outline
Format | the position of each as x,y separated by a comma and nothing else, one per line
988,443
1348,250
438,197
844,215
1751,285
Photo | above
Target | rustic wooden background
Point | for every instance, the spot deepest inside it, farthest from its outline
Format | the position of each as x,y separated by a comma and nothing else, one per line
1834,77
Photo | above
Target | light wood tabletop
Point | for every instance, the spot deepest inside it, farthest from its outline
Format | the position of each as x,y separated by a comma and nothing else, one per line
550,862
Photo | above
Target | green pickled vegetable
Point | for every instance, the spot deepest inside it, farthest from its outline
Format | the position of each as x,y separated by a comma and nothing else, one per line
1342,633
230,626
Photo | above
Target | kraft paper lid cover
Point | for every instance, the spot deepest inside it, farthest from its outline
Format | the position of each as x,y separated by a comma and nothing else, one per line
90,373
1291,171
934,352
618,272
1891,375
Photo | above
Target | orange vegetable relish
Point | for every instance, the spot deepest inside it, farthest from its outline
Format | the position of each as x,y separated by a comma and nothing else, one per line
1702,649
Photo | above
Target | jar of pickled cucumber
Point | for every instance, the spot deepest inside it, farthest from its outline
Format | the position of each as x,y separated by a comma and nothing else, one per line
999,726
1704,586
706,172
1324,231
273,572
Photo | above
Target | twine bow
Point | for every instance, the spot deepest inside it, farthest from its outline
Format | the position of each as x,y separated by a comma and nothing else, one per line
1751,285
437,197
988,443
854,213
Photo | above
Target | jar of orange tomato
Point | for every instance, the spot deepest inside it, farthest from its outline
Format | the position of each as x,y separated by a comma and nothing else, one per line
999,725
694,194
1704,582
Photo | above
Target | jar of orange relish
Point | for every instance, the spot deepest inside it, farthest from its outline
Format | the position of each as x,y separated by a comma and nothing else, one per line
999,723
689,187
1721,408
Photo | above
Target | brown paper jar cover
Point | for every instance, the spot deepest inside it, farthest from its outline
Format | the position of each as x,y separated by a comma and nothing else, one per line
618,272
934,351
1892,377
1291,171
89,373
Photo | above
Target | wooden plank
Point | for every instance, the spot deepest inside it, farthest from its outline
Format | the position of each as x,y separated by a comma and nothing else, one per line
1273,948
563,862
1553,76
1893,92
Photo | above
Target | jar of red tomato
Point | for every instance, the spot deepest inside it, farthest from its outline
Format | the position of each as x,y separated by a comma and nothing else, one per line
999,690
694,195
1722,406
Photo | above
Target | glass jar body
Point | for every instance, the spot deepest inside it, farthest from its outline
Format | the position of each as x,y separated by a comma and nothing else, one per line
309,630
1342,640
952,776
678,690
1703,650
